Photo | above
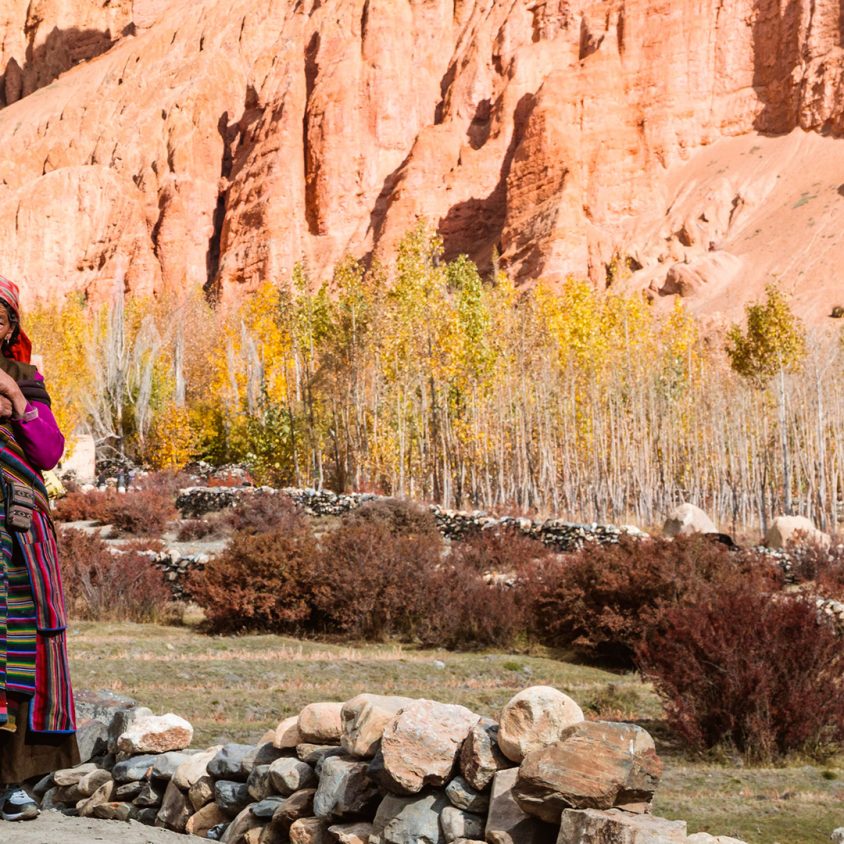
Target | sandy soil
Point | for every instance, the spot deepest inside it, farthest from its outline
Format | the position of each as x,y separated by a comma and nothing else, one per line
55,828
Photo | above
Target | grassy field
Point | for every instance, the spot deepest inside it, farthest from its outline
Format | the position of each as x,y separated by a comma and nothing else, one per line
236,688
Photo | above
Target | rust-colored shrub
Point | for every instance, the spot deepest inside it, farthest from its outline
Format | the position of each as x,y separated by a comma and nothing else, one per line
371,581
101,585
260,582
398,516
144,512
262,512
811,562
81,506
504,551
757,672
166,481
191,530
603,600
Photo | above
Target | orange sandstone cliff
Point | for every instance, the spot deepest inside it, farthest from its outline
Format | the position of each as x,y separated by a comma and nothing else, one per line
683,147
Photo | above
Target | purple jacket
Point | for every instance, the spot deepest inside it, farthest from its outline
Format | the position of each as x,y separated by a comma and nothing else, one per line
41,438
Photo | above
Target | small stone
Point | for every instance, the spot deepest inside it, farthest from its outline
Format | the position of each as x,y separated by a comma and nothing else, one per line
289,775
201,792
456,824
49,803
175,809
217,832
409,820
240,826
287,734
314,754
227,763
112,812
579,825
363,721
480,756
321,723
128,791
308,831
231,797
266,808
167,764
134,769
838,835
420,746
91,782
351,833
260,784
534,718
103,794
147,816
43,785
151,795
72,776
92,739
207,817
298,805
194,767
156,734
344,789
263,754
463,796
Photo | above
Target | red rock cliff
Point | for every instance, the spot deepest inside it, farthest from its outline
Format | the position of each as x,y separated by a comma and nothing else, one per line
689,146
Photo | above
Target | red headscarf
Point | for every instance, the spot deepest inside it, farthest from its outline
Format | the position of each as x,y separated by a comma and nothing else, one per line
21,349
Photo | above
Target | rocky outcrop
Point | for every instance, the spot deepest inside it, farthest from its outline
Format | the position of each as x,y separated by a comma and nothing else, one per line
171,144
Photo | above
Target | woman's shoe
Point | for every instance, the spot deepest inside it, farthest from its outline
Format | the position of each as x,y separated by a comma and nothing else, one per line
17,805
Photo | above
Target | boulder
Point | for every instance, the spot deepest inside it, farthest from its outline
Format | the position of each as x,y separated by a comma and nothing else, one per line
92,781
91,739
287,734
201,792
289,775
309,831
594,765
507,822
267,807
134,769
344,789
350,833
420,746
686,519
363,721
73,776
534,718
155,734
409,820
481,758
238,829
231,797
208,816
121,721
791,530
175,811
298,805
457,824
194,767
463,796
103,794
321,723
260,784
581,825
228,762
167,764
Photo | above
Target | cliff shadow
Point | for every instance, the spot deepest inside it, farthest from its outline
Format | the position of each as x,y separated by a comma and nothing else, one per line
62,50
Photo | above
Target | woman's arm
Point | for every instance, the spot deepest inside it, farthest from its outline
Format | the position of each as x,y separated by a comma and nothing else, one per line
40,437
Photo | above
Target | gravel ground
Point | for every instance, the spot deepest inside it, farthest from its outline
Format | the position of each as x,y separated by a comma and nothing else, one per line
55,828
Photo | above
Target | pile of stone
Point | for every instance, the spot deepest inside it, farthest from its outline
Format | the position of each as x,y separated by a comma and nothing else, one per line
176,568
381,770
194,502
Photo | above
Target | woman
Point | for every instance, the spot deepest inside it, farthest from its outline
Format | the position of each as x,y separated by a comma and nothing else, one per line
37,718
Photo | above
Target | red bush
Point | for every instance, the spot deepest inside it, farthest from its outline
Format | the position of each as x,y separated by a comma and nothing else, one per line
100,585
82,507
191,530
398,516
749,670
603,600
144,512
261,512
260,582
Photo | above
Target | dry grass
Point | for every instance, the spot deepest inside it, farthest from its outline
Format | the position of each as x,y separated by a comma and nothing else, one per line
235,688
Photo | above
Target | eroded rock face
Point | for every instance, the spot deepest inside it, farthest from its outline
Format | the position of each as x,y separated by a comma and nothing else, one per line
209,143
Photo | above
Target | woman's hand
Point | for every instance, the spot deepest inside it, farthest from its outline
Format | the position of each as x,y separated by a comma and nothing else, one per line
10,390
6,409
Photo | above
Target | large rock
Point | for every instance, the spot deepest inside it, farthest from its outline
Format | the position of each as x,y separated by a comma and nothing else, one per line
617,827
420,746
122,719
795,530
344,790
480,757
594,765
238,829
230,762
289,775
458,824
321,723
91,739
231,797
507,822
298,805
686,519
463,796
155,734
534,718
207,817
409,820
176,810
309,831
287,734
194,767
363,721
134,769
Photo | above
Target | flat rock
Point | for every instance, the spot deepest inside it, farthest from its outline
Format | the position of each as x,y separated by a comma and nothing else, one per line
481,758
409,820
287,734
594,765
350,833
175,809
128,791
463,796
228,762
582,825
457,824
344,789
288,775
156,734
420,746
309,831
534,718
321,723
507,822
363,721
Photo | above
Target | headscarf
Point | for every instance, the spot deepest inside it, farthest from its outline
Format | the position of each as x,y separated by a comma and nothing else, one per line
21,349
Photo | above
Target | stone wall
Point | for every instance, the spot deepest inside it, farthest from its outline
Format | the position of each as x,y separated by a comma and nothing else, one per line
376,770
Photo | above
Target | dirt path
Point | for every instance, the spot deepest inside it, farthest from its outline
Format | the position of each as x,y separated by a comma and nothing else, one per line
55,828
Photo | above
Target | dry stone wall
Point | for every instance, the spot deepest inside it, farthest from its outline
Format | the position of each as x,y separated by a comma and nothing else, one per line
376,770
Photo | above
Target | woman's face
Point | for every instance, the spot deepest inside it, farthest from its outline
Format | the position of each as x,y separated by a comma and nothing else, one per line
6,327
